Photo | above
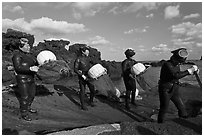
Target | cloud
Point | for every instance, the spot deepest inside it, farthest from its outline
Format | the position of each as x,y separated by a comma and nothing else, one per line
59,5
129,31
142,50
187,29
187,34
77,15
182,42
196,15
84,5
19,24
114,10
50,39
137,30
89,8
44,25
131,7
171,12
92,8
140,30
141,46
199,44
160,48
134,7
98,40
13,9
56,5
150,15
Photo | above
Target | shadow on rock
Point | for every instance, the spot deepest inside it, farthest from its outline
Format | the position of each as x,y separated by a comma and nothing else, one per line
135,129
41,90
69,92
190,125
145,131
193,107
120,107
9,131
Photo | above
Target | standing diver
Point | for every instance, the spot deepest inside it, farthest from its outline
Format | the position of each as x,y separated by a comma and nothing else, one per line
129,80
25,67
169,83
81,66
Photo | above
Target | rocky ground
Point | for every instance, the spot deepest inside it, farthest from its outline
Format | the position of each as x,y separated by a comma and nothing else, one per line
61,113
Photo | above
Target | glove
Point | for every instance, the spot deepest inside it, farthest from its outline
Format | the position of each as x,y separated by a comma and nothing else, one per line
195,67
84,77
197,71
34,68
192,69
10,68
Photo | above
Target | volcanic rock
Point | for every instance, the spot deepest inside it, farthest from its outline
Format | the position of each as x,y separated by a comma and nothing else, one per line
10,39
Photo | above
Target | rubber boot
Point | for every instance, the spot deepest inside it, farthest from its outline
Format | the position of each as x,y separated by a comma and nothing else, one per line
83,107
127,100
31,110
127,104
91,103
133,98
161,116
25,115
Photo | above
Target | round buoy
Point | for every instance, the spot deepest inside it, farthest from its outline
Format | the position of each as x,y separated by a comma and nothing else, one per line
138,68
44,56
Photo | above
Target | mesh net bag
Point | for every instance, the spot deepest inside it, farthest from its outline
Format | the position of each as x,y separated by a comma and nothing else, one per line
54,71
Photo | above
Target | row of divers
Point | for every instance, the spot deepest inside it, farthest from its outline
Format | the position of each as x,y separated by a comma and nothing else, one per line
26,67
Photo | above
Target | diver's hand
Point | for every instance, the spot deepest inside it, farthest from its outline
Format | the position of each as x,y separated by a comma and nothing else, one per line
34,68
84,77
193,69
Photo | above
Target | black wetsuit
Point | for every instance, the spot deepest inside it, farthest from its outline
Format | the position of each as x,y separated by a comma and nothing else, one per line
25,79
81,67
129,81
169,89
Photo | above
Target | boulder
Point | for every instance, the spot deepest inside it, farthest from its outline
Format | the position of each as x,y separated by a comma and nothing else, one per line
11,39
114,68
6,74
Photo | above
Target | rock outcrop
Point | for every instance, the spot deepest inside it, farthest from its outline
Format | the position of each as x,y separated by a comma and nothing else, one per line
10,39
61,48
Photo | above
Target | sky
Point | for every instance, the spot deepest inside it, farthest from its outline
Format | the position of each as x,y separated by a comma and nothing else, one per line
152,29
